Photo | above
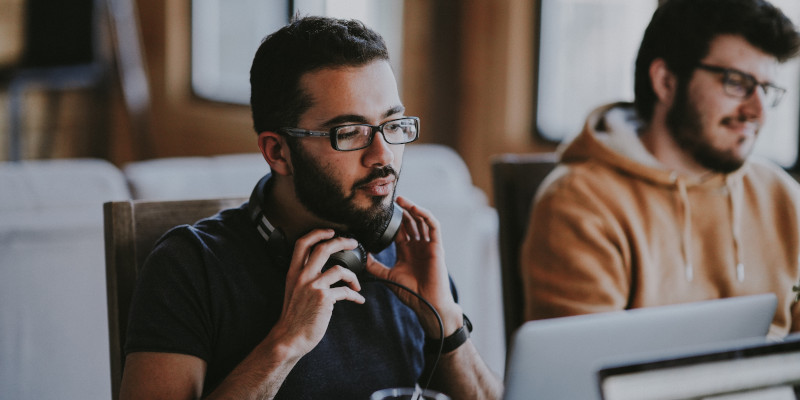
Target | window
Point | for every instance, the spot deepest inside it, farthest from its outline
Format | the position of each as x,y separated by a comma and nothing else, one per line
778,139
587,52
226,34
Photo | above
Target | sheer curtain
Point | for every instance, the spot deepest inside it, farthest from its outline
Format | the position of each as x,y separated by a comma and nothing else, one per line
586,57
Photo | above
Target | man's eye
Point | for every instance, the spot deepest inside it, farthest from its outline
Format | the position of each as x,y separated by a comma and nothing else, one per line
348,133
392,127
739,82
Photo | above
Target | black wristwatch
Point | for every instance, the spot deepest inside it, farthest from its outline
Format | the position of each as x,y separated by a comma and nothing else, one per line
451,342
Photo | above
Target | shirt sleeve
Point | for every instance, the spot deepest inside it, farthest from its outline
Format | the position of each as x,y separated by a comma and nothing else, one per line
170,309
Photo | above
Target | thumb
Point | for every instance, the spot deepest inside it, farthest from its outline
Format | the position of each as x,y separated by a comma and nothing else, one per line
376,268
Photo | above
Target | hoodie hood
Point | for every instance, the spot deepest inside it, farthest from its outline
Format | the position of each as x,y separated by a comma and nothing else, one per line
611,135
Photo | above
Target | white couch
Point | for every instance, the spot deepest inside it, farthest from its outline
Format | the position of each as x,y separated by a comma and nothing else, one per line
53,324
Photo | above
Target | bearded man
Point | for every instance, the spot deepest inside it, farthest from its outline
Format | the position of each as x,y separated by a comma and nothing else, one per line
246,305
659,202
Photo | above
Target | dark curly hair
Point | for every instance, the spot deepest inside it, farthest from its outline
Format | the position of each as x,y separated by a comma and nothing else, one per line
305,45
681,32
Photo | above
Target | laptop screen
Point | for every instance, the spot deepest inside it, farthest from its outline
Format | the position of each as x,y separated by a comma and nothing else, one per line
558,359
765,371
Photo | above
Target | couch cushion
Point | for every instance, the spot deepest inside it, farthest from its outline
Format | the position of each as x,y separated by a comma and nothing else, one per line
50,194
436,174
183,178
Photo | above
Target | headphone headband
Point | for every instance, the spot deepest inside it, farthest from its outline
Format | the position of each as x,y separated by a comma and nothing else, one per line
264,227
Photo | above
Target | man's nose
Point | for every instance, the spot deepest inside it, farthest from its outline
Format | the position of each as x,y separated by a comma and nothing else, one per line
753,105
379,152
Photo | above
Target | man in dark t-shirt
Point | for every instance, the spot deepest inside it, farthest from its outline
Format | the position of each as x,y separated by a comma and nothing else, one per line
247,305
227,288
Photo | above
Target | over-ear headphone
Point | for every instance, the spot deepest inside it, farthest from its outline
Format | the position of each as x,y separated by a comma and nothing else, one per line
354,260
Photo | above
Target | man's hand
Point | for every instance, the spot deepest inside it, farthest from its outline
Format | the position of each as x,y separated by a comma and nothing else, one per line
421,267
309,297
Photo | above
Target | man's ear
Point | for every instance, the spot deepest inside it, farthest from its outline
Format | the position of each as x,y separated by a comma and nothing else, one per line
664,81
276,152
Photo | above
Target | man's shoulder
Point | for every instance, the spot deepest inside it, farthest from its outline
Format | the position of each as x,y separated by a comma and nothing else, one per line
211,247
231,220
221,230
761,172
582,177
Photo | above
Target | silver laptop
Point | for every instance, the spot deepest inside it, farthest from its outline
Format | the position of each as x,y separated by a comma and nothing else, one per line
559,358
753,370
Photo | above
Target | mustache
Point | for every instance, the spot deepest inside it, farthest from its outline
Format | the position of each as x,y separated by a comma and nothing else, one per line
741,119
377,174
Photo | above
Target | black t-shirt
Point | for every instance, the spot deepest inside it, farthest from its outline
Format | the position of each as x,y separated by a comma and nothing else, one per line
214,291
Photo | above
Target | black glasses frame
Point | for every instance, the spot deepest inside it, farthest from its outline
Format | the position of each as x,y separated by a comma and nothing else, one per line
729,83
333,133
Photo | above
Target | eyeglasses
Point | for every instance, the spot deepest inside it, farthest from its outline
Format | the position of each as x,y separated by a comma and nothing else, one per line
742,85
359,136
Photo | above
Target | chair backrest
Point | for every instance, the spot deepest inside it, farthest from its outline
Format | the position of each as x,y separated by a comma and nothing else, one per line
515,179
131,229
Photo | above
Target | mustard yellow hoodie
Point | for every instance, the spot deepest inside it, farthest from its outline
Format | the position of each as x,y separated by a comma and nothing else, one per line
612,229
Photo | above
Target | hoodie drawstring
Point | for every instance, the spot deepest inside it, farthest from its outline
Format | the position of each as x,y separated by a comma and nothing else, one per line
734,193
686,234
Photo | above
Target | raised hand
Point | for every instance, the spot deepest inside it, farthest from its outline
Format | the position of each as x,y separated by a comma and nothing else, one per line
421,267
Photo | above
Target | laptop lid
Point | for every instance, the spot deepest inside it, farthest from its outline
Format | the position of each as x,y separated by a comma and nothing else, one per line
754,370
559,358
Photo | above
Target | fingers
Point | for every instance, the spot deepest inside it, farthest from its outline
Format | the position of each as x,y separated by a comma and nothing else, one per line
324,283
322,252
345,293
302,249
376,268
310,254
418,223
313,250
409,226
339,274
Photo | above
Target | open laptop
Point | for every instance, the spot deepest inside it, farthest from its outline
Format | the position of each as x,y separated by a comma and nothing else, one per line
750,370
559,358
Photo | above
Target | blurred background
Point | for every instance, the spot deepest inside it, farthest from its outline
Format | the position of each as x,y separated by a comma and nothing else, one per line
163,78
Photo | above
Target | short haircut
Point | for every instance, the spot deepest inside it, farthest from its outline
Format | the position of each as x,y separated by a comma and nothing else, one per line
305,45
681,32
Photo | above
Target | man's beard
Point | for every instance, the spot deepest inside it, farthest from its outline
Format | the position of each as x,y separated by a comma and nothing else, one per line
685,126
318,192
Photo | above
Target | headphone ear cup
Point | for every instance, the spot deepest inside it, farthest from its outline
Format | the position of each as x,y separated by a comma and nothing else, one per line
355,260
390,232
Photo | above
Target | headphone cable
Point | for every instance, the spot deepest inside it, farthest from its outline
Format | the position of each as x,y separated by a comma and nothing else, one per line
435,313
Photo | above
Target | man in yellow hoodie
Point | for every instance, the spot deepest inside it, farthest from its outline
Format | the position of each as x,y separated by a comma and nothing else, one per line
659,201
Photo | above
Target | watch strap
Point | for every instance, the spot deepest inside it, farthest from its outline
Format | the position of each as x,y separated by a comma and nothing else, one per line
451,342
